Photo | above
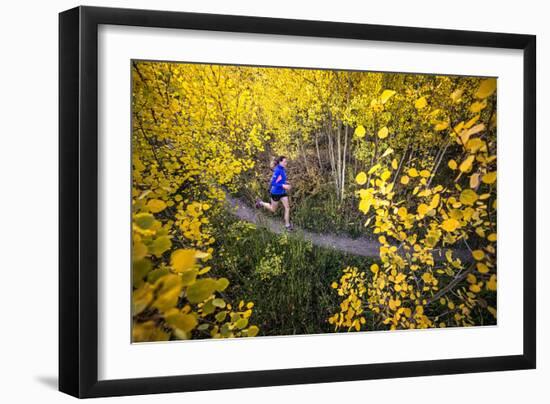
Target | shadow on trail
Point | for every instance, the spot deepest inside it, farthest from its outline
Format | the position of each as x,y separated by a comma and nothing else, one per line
357,246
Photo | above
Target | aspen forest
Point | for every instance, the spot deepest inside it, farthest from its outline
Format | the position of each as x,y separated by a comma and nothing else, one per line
393,201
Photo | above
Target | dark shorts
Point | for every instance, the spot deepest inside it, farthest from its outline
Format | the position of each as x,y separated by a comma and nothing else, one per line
277,198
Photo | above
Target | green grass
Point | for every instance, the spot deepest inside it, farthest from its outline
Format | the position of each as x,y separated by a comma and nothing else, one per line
286,277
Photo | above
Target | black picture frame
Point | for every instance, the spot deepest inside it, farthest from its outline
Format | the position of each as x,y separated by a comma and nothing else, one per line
78,201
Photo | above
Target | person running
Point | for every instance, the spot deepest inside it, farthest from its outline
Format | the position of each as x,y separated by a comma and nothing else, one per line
278,190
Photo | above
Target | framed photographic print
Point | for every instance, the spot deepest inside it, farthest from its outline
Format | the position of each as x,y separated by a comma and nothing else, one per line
249,201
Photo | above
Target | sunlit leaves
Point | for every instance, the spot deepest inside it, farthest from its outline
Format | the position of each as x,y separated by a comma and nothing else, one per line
360,132
383,133
468,197
160,245
156,205
466,165
361,178
478,106
421,103
184,322
182,259
456,95
201,290
492,283
418,217
478,254
489,178
474,180
167,289
144,221
221,284
482,268
386,95
253,331
450,225
486,88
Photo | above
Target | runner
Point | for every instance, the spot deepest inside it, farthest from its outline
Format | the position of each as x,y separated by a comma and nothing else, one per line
278,190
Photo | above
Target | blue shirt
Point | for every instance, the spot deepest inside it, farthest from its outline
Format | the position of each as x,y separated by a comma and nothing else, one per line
278,179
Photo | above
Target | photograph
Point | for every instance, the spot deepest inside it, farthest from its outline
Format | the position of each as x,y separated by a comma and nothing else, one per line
279,201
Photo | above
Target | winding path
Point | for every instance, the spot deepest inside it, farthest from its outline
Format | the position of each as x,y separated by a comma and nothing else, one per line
356,246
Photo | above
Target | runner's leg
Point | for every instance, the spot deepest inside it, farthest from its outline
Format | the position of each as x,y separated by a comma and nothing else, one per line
286,205
270,206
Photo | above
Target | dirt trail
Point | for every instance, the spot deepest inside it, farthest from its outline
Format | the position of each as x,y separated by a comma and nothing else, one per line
356,246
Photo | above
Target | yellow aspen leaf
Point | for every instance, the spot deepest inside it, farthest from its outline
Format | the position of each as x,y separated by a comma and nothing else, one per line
474,180
374,268
360,131
476,144
478,106
221,285
466,133
466,165
388,151
482,268
182,259
441,125
435,201
364,205
386,95
404,180
420,103
144,221
492,310
458,128
478,255
452,164
385,175
492,283
412,172
475,288
492,237
450,225
334,285
468,197
456,95
425,173
139,251
168,290
361,178
374,168
394,164
486,88
184,322
472,121
156,205
423,209
383,133
160,245
402,212
201,290
252,331
480,232
141,298
489,178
